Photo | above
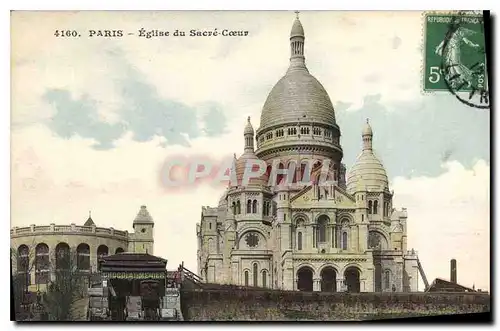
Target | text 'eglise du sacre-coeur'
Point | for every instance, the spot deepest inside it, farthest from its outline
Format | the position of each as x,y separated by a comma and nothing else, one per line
192,33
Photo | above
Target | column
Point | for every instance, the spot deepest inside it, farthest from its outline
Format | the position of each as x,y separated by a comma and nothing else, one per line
333,231
314,236
316,284
52,263
340,284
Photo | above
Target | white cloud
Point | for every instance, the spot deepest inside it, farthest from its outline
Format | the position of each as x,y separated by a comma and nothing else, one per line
449,217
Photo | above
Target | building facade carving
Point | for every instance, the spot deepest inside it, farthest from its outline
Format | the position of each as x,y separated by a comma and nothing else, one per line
305,235
37,250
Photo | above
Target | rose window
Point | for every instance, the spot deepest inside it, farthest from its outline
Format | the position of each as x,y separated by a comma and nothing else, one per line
252,239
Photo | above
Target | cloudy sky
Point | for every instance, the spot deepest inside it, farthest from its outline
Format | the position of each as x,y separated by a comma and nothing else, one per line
94,119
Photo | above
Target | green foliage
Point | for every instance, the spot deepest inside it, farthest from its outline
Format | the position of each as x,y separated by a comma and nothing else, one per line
62,294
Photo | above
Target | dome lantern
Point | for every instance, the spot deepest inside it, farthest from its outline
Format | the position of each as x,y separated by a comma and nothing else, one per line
248,133
367,136
297,38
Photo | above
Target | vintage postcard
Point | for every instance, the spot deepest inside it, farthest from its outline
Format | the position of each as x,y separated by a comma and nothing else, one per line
250,165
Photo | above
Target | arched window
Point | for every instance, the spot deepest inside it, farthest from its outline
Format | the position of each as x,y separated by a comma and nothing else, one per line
268,170
83,257
387,279
334,172
322,224
246,277
254,206
102,251
299,241
238,207
279,174
234,208
119,250
344,240
305,174
264,278
23,262
249,206
375,207
63,256
369,207
255,274
42,263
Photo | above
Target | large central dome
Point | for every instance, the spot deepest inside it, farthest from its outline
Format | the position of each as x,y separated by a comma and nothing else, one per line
297,95
298,115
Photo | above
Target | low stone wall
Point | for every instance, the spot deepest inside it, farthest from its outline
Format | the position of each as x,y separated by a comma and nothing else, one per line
270,305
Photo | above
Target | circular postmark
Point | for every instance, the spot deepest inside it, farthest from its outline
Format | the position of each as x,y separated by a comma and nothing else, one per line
464,60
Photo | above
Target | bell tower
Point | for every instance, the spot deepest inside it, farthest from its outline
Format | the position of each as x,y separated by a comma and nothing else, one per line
142,241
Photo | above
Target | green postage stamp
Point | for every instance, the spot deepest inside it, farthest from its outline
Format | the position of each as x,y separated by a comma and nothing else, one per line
455,57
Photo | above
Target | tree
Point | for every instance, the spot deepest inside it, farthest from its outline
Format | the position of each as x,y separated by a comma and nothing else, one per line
22,265
66,289
67,279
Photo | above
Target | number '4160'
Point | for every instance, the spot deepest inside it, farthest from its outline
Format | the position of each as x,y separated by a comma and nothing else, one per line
66,33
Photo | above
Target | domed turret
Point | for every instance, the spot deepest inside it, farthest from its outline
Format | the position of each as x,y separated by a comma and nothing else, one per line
249,128
367,171
248,160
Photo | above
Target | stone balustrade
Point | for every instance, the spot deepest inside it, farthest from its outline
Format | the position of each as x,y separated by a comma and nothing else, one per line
66,229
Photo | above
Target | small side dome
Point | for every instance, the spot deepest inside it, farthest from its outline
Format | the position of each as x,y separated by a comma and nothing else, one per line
244,165
367,172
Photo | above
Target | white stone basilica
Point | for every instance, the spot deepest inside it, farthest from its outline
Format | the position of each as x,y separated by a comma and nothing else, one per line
336,237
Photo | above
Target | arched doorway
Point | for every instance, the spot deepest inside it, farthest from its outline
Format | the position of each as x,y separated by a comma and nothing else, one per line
328,280
305,279
83,257
23,265
352,282
42,263
102,251
63,259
